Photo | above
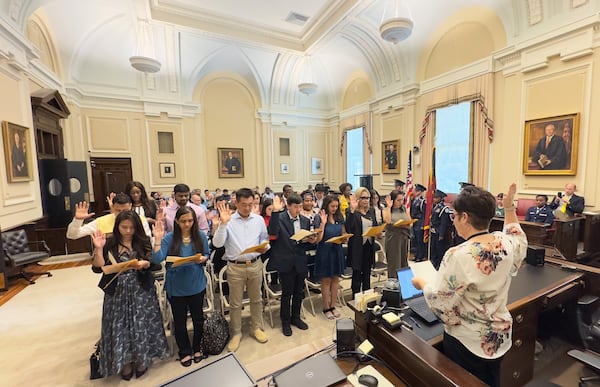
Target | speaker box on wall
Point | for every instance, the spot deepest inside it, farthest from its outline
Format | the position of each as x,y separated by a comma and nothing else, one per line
345,336
535,255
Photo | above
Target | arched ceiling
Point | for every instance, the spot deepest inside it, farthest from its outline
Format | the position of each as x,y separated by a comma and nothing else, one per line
193,38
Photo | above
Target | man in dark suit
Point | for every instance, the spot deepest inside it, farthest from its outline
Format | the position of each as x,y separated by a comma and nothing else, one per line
417,211
550,152
568,203
440,228
392,159
289,257
232,163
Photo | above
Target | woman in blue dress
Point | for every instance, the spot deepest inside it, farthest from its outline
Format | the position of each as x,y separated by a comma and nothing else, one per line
185,284
329,261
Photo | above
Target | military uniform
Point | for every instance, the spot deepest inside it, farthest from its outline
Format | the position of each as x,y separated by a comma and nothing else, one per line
417,211
440,232
537,214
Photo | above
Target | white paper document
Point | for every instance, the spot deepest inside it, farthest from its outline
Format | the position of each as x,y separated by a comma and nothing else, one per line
425,270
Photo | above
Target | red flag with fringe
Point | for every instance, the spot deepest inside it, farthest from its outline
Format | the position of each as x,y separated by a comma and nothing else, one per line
431,187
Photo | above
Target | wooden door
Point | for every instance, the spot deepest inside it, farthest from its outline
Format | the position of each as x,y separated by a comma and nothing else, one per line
108,175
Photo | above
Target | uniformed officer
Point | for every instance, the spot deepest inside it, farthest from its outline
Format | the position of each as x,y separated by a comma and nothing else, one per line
417,211
542,212
398,185
440,228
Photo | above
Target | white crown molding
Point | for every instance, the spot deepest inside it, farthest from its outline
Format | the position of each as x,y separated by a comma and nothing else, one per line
471,70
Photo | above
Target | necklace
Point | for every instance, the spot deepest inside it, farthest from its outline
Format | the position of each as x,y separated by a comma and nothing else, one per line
186,240
478,234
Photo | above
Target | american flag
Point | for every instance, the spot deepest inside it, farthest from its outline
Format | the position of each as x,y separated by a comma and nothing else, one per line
409,183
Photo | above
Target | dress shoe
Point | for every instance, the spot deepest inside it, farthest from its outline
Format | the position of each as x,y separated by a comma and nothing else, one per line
140,373
300,324
287,330
260,336
234,343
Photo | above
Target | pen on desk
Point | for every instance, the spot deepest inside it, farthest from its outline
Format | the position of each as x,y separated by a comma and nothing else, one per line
414,321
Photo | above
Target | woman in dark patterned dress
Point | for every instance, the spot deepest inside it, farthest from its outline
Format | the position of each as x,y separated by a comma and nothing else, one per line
132,329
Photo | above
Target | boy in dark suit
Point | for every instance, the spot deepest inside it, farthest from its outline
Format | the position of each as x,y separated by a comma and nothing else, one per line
289,257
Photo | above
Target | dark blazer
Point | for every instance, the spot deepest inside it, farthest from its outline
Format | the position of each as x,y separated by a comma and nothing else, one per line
556,152
288,255
540,215
575,206
356,251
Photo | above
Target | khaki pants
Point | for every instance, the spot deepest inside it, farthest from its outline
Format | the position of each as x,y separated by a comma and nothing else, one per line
250,276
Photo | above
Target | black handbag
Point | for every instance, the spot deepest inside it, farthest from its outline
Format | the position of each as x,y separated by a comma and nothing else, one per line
216,333
95,365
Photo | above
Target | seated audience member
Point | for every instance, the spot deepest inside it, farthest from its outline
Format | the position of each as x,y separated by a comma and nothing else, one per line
499,206
540,213
568,203
121,202
182,199
290,259
132,329
185,284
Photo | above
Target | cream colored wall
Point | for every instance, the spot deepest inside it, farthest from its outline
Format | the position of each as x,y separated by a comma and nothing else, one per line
561,88
20,202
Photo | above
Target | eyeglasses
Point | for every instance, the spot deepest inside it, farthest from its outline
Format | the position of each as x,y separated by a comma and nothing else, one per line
365,197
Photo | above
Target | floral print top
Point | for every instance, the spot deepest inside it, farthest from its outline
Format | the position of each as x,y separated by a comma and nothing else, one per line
471,290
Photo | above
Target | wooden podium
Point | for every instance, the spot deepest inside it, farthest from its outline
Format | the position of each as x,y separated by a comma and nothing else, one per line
566,236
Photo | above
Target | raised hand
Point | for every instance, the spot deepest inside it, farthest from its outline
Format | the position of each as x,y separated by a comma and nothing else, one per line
278,204
388,201
99,240
224,212
81,211
324,217
509,198
109,199
353,203
159,230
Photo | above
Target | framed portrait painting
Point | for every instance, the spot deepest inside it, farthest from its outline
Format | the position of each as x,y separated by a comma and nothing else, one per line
551,145
167,169
17,152
389,157
316,166
231,162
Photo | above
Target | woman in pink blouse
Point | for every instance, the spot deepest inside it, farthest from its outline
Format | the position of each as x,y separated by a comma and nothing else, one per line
470,291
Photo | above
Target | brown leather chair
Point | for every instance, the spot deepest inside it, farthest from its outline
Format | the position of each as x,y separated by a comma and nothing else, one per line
19,252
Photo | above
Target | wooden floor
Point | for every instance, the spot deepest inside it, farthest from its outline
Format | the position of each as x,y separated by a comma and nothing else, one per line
16,285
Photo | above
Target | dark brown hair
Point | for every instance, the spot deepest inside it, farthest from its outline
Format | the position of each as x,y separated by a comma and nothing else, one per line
478,203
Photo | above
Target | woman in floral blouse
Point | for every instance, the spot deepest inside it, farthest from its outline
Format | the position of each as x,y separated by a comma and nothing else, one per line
470,291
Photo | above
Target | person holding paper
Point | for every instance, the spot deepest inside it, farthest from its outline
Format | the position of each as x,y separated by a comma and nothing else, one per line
329,261
396,238
361,250
470,292
132,330
236,232
185,284
289,258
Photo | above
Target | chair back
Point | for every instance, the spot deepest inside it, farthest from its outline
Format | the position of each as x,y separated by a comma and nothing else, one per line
15,242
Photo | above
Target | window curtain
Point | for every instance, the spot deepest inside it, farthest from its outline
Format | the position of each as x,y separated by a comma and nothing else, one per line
360,120
479,90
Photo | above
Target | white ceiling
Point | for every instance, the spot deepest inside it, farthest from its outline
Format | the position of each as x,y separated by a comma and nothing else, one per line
195,38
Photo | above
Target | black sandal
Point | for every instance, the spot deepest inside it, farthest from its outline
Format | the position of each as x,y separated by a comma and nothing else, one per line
187,362
198,359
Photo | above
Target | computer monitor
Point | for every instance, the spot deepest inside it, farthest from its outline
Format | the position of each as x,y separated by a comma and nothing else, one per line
226,371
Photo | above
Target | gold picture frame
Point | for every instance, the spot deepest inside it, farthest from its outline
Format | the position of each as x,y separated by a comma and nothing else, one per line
389,156
231,162
551,145
17,152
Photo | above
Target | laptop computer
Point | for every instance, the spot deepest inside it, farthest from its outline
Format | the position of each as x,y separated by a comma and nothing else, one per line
316,371
212,374
413,297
